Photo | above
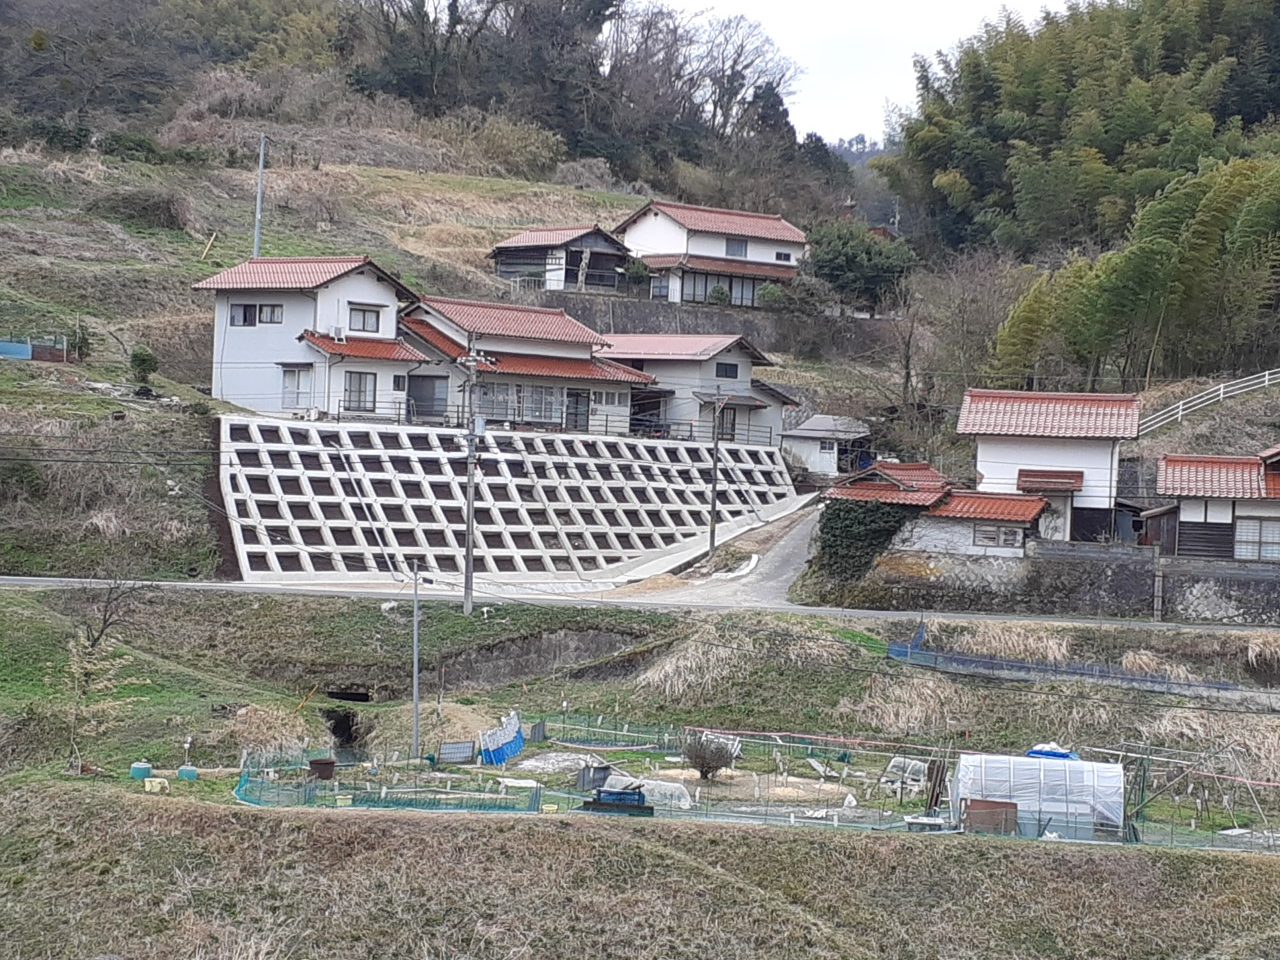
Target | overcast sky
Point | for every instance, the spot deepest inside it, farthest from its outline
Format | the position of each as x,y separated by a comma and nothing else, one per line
856,54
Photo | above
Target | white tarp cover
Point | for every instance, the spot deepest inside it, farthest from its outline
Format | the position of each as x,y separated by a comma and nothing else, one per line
659,793
1076,789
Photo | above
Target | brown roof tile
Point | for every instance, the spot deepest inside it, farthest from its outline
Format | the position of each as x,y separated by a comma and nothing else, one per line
512,320
365,348
1019,413
734,223
1007,507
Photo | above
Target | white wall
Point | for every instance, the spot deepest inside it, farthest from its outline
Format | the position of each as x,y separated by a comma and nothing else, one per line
758,251
655,232
943,535
246,360
556,259
1254,508
1000,459
808,453
1055,522
365,288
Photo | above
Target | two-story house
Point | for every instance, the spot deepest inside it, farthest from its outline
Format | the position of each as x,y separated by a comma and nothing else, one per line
704,386
691,251
534,367
1064,447
298,334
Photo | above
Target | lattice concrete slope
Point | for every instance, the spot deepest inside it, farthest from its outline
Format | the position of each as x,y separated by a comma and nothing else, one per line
323,501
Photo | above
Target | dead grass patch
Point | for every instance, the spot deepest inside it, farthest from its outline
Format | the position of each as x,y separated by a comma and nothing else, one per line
1151,664
1013,640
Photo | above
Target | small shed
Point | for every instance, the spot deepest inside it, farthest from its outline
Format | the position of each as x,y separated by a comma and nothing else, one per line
562,258
1070,798
829,445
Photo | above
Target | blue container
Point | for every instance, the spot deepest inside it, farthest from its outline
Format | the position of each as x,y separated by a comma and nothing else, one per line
140,770
188,773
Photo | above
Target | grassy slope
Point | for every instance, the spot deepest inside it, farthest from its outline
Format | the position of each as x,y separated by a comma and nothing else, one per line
165,877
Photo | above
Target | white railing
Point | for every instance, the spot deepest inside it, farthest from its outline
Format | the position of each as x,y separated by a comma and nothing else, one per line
1222,391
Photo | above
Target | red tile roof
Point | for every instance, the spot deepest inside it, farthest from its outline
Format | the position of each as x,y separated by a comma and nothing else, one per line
565,368
910,474
433,337
1006,507
553,236
678,346
883,492
1228,478
1050,481
733,223
365,348
291,273
724,266
512,320
1018,413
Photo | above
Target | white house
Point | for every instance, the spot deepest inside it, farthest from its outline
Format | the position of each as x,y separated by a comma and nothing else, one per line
692,250
944,519
562,258
1064,446
534,366
695,376
828,446
1228,508
310,333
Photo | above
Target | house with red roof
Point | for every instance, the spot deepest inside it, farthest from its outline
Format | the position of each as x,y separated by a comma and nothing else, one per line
1064,447
585,257
534,367
1225,507
703,385
298,334
945,519
692,250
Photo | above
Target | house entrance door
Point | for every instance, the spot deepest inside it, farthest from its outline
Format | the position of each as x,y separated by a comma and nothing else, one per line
577,410
427,398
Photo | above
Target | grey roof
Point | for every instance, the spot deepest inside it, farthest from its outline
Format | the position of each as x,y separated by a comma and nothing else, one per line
824,426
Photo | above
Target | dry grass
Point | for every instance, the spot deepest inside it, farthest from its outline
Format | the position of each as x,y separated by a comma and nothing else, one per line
268,730
1148,663
1262,649
910,706
1013,640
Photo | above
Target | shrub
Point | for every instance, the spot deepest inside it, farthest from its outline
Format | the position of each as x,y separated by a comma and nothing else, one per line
718,295
772,297
151,208
200,408
143,363
851,534
708,755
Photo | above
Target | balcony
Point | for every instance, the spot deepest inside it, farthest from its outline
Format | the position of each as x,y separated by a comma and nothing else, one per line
563,420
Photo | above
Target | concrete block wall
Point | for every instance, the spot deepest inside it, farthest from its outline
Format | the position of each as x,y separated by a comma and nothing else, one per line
337,501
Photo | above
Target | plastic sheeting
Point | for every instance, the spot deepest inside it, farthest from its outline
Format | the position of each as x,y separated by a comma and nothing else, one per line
1042,787
503,742
656,792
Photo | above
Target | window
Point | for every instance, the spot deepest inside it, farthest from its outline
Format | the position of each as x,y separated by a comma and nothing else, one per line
735,247
993,536
495,401
399,382
361,391
827,446
660,286
542,404
608,398
252,314
1257,540
727,423
782,257
727,371
365,319
295,387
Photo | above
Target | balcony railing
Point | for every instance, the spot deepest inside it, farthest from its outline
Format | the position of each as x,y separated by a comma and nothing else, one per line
560,421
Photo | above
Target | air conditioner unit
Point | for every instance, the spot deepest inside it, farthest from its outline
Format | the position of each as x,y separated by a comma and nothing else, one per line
313,413
338,333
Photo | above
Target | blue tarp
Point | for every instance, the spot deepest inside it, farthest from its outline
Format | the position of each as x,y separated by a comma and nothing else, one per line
15,350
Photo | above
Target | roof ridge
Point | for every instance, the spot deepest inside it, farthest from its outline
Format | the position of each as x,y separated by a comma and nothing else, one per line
1041,394
500,304
328,258
701,206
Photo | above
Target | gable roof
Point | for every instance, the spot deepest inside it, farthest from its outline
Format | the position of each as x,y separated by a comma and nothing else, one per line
1006,507
485,319
1023,413
824,426
726,266
902,484
554,237
293,273
733,223
678,346
364,348
1228,478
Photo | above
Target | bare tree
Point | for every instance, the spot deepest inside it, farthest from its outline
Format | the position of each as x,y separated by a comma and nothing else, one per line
708,754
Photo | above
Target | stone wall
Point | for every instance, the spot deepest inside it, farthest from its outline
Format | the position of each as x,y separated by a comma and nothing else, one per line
767,329
1072,579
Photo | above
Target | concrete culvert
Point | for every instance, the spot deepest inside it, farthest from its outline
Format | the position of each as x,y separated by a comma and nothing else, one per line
345,727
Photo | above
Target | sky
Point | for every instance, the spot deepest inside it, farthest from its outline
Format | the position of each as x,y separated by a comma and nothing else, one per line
856,54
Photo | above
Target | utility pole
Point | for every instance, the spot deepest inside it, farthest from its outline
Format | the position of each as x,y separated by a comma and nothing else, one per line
715,471
475,430
417,703
257,213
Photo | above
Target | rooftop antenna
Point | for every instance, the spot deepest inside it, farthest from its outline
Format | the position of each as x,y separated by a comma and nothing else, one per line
257,213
